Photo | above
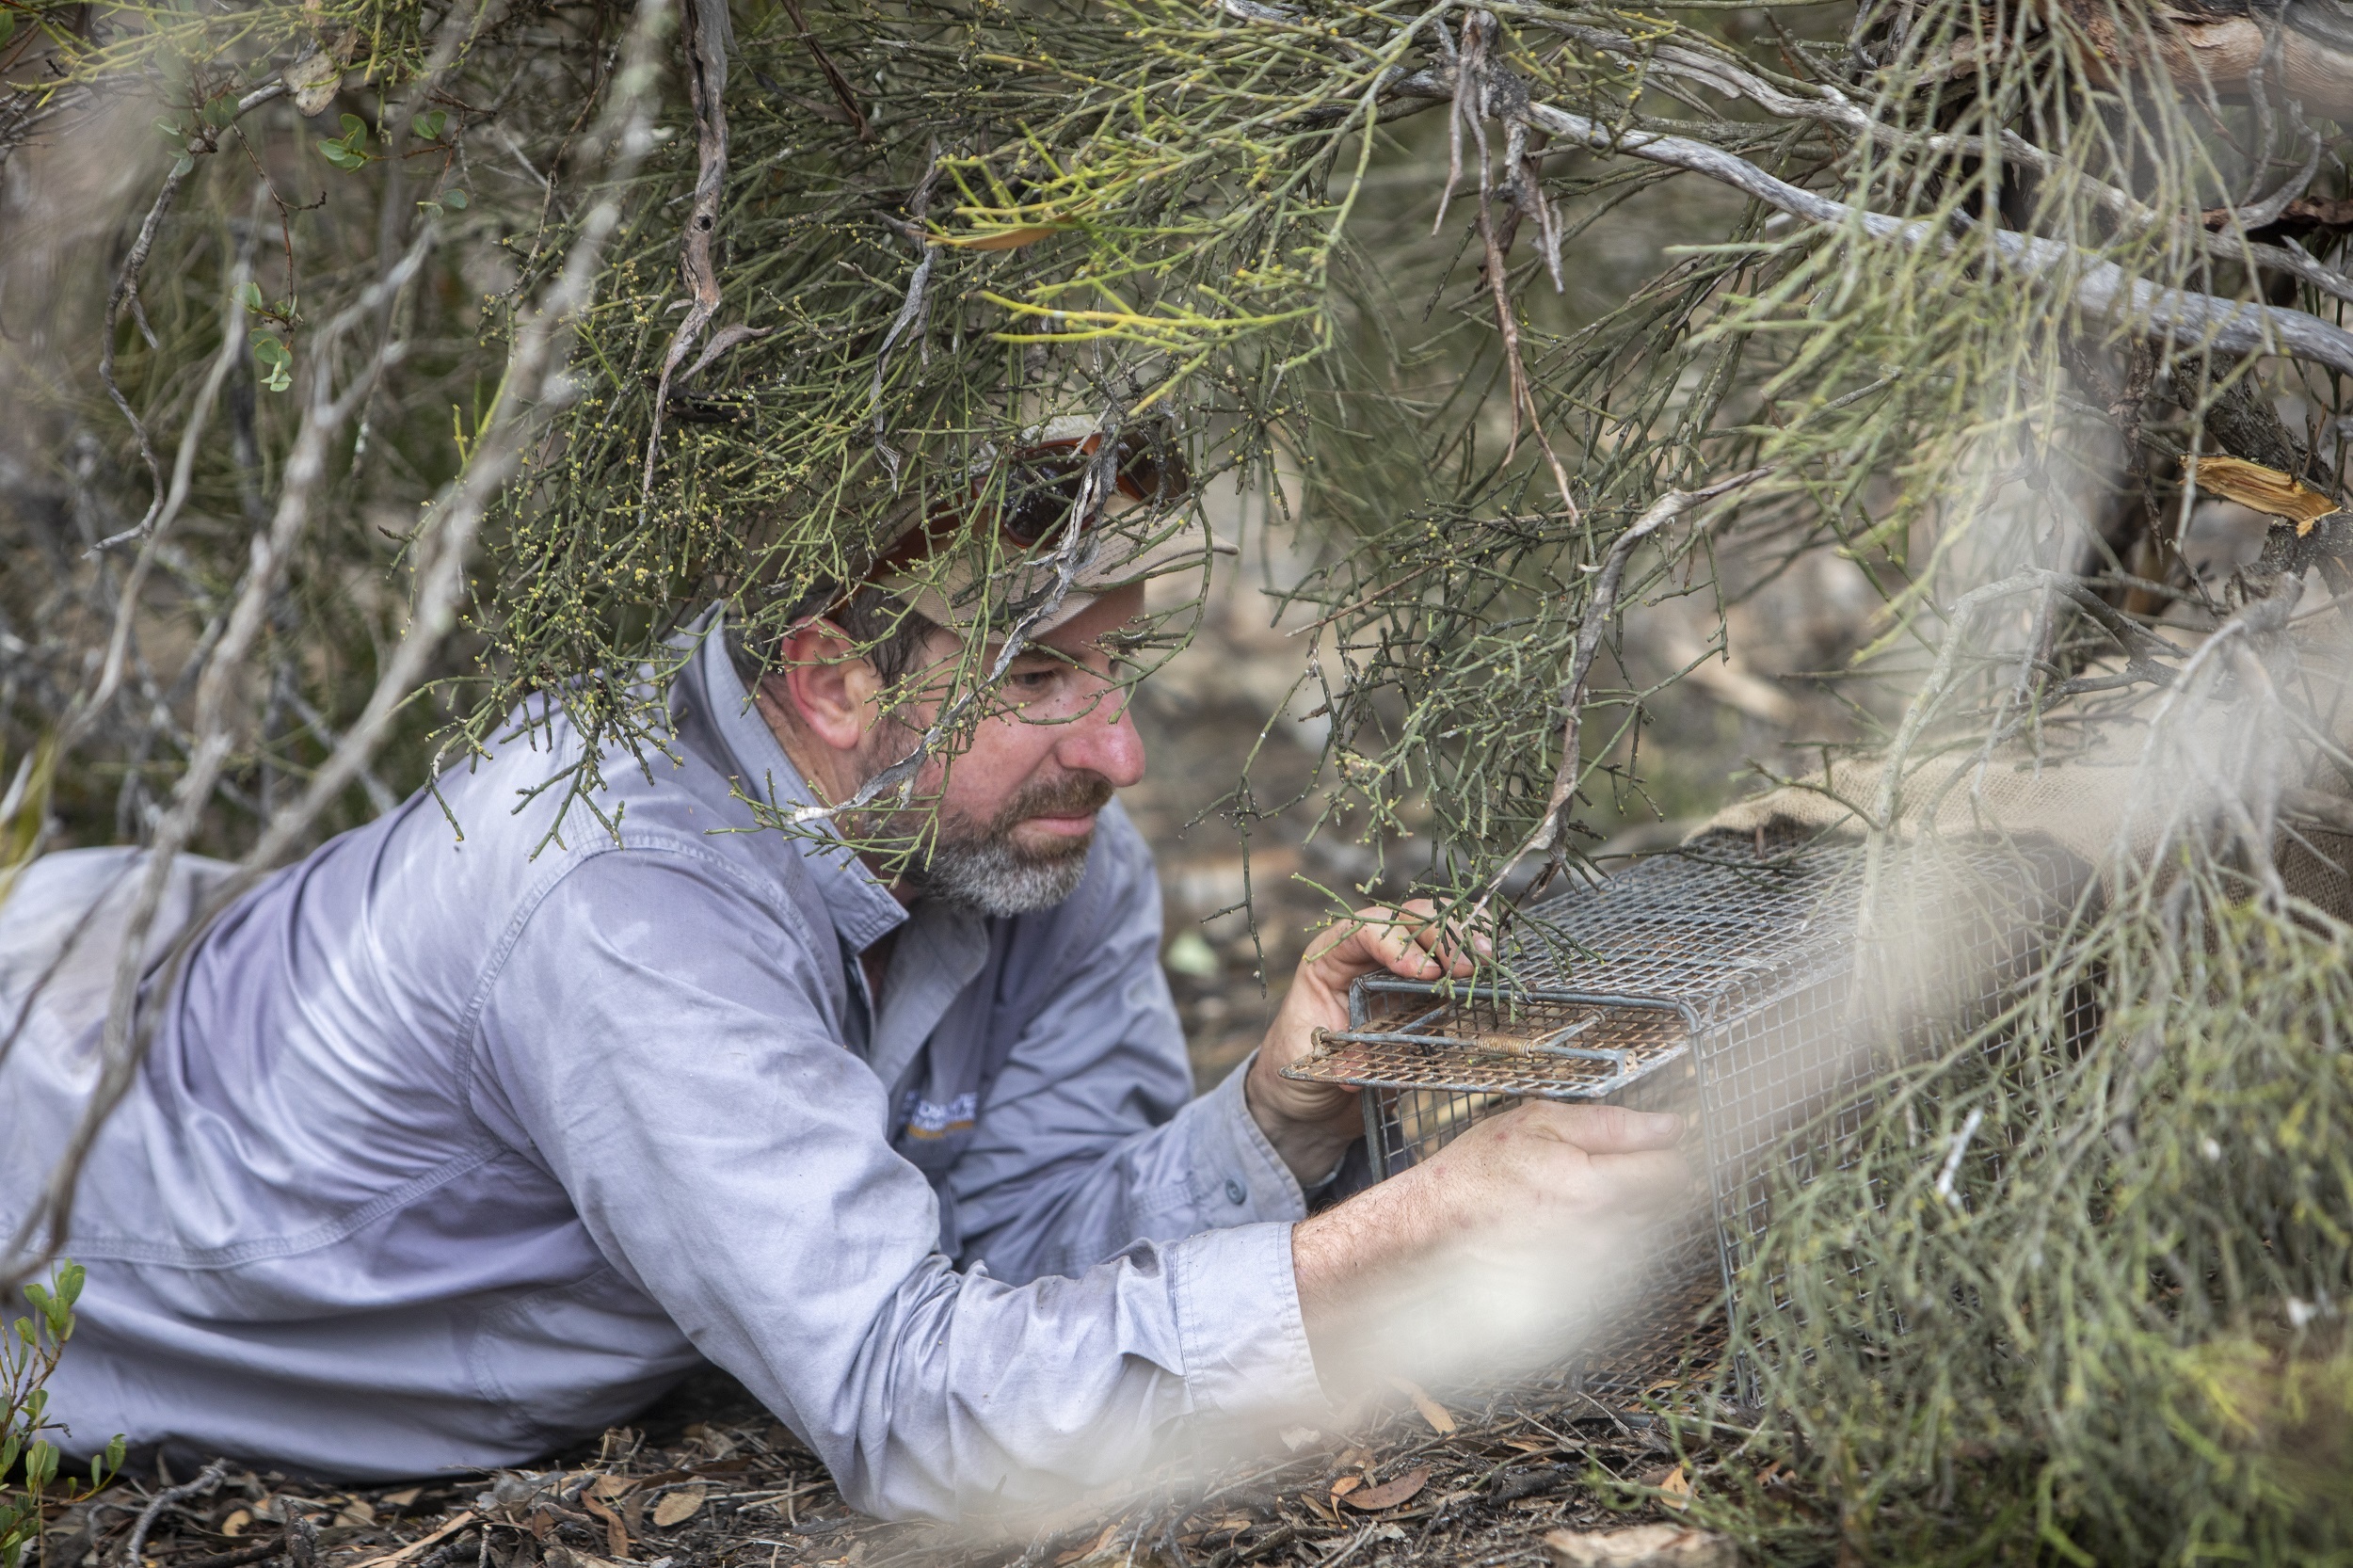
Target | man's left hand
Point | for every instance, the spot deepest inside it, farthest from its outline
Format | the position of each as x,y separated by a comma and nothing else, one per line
1311,1124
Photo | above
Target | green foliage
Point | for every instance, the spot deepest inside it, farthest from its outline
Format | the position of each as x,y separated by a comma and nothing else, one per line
30,1351
276,362
349,152
2115,1331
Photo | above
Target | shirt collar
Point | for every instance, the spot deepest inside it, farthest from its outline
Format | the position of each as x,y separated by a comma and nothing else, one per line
861,907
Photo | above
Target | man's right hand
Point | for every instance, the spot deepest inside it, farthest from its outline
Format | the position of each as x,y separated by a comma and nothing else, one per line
1519,1229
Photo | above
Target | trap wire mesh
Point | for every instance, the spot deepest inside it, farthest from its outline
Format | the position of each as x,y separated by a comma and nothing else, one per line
1753,985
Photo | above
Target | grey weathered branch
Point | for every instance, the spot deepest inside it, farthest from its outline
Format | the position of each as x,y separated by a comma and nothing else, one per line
911,310
706,39
1826,106
206,1480
2101,289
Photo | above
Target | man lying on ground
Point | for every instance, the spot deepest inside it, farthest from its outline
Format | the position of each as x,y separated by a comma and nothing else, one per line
449,1151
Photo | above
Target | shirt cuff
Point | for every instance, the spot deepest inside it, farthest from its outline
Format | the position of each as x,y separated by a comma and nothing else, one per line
1237,1176
1240,1330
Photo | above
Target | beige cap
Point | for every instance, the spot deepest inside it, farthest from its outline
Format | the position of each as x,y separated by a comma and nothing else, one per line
1032,561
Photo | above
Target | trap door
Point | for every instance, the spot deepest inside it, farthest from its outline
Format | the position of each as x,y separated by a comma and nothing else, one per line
1433,1061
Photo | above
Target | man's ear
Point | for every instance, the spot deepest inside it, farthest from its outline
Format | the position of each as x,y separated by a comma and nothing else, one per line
828,688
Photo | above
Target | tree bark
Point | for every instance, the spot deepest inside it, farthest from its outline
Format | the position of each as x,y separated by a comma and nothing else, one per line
2219,46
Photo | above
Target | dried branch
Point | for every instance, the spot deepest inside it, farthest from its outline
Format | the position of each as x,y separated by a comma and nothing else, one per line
1826,106
834,79
2216,45
705,37
206,1480
1551,830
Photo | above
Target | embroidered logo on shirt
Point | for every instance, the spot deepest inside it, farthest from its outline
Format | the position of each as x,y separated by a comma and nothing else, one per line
927,1120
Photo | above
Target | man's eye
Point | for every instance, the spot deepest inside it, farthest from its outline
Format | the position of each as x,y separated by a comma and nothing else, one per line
1035,681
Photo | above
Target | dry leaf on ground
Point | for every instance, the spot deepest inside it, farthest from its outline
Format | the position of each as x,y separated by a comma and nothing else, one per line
677,1507
1644,1546
1431,1411
616,1532
1372,1499
1675,1489
1346,1485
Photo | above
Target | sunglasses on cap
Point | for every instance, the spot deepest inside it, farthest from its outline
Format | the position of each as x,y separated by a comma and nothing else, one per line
1042,481
1040,485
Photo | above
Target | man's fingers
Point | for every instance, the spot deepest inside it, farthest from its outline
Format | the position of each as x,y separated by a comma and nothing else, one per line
1608,1129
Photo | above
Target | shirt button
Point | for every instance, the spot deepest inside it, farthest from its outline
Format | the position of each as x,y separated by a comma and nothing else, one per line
1234,1192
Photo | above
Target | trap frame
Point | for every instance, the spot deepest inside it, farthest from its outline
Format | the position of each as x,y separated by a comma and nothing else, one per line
1748,983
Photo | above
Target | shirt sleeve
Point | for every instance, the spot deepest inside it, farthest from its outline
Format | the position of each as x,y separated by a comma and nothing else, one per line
1084,1142
660,1037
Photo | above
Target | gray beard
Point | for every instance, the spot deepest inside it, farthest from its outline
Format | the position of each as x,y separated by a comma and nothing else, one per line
977,866
989,876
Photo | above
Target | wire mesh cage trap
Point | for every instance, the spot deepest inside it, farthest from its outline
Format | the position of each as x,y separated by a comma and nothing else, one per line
1750,984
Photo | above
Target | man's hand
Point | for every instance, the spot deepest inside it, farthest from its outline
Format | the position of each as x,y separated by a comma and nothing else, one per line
1519,1229
1311,1124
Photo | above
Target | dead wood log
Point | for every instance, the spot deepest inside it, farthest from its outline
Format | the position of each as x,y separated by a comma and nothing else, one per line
2300,49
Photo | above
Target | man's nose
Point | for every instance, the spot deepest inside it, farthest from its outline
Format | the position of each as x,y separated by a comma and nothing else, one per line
1104,740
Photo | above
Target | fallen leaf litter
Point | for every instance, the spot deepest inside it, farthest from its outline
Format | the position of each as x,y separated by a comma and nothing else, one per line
711,1482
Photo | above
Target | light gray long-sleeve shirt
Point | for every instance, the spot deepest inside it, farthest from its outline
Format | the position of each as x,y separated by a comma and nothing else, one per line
448,1152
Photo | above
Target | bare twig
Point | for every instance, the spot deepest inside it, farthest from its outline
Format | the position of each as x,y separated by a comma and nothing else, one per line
261,1550
124,292
834,79
911,312
1600,612
169,1497
169,499
706,39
